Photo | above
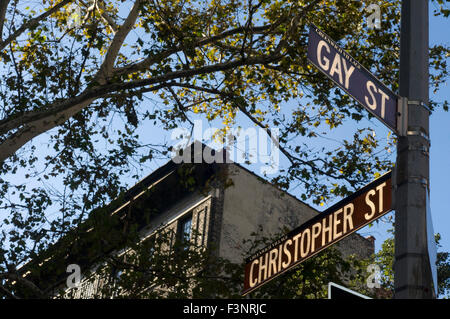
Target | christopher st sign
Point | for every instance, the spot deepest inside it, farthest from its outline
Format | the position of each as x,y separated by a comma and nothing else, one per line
327,228
352,77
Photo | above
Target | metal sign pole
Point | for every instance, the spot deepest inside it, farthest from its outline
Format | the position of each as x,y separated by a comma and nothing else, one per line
413,278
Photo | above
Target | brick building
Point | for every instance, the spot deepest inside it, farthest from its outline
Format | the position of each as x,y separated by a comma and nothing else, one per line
222,202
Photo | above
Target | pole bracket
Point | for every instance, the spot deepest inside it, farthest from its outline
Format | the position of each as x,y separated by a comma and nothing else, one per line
402,116
425,150
418,131
420,103
414,180
418,180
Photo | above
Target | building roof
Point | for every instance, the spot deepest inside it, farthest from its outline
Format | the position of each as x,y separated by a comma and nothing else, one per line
98,236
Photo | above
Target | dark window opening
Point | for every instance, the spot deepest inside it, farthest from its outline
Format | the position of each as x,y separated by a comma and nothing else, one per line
185,229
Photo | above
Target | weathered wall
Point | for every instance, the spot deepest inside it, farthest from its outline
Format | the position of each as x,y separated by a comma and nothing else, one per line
357,245
251,202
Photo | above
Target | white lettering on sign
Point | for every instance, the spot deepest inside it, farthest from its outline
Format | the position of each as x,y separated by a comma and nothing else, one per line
326,63
336,222
339,65
372,103
262,268
327,230
371,204
317,227
336,68
371,88
384,98
287,253
273,261
306,238
348,217
253,282
348,72
339,221
352,77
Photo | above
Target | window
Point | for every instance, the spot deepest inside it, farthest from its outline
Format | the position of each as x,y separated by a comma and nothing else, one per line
185,229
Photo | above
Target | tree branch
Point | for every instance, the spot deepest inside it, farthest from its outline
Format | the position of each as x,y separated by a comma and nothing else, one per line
54,110
179,104
105,16
33,123
114,48
33,22
23,281
147,62
39,124
3,7
232,98
8,293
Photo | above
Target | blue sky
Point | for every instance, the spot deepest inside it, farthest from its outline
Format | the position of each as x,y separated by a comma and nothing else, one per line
440,145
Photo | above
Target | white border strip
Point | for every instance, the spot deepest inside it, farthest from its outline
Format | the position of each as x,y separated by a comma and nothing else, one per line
345,289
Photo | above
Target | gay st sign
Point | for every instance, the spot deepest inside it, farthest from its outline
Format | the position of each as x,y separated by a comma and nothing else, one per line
352,77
